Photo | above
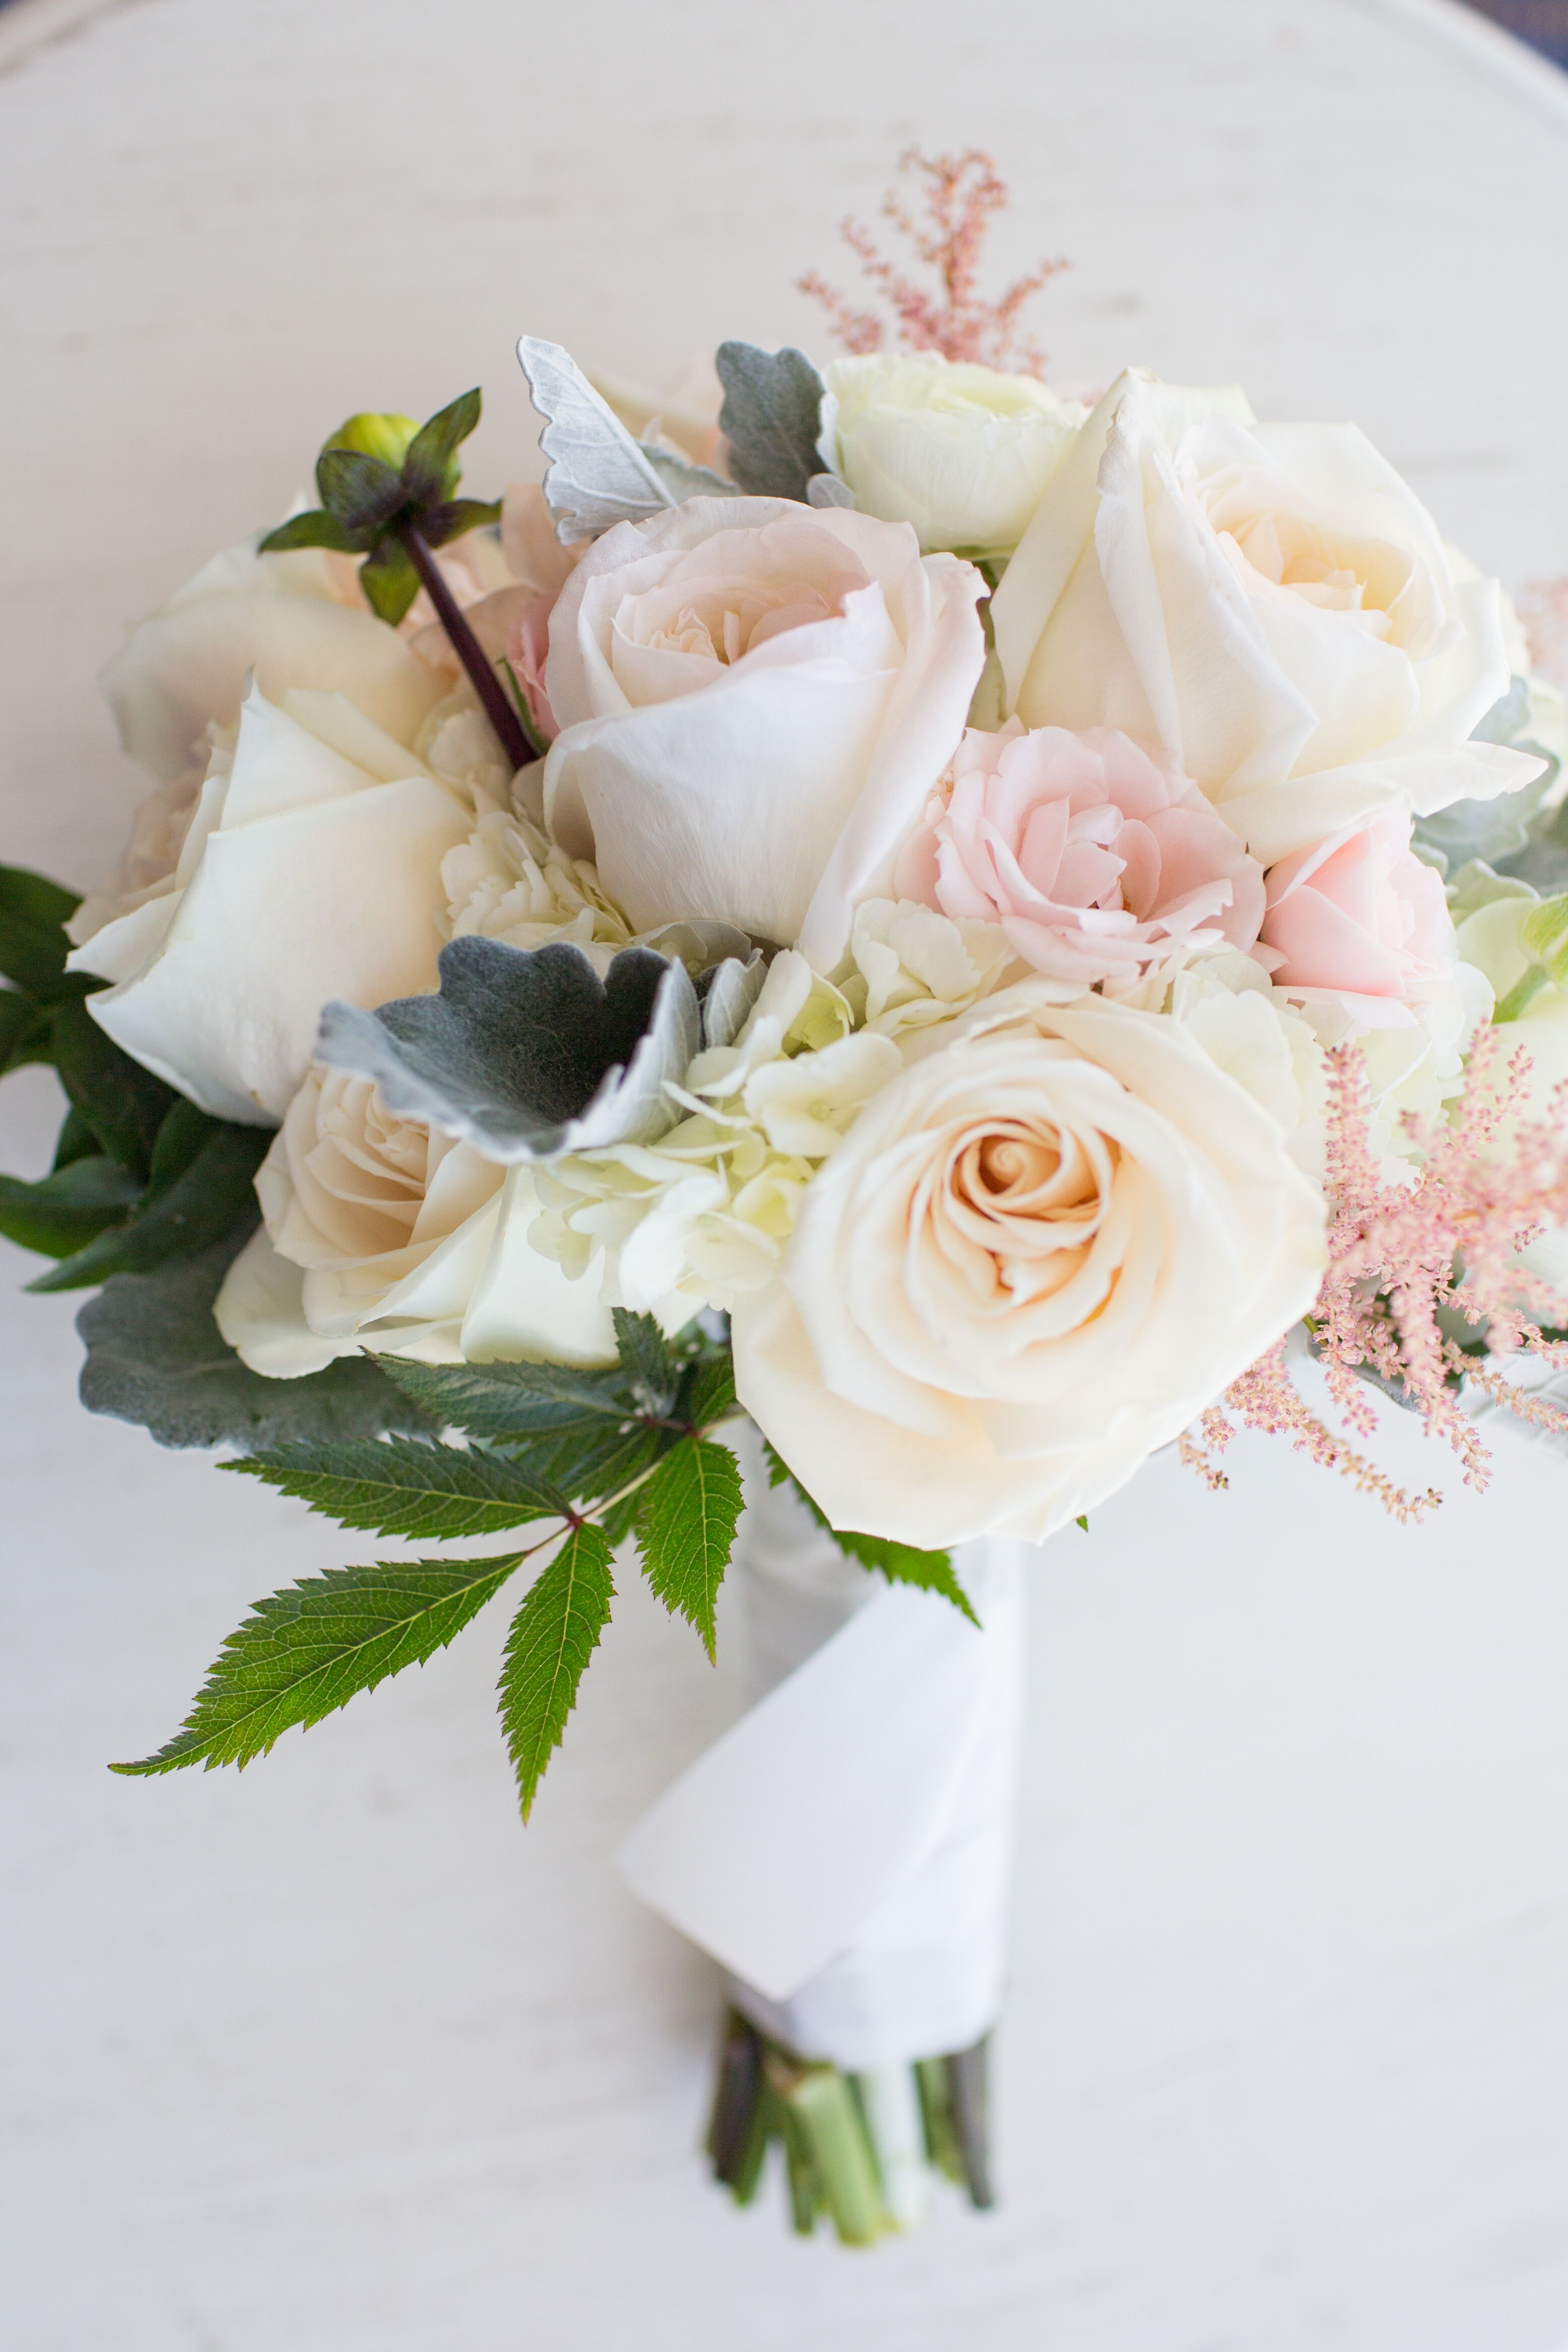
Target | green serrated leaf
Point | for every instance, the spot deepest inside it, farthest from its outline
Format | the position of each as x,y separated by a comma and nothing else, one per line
360,492
315,528
513,1399
389,581
899,1563
305,1652
123,1104
686,1519
401,1487
455,516
67,1209
200,1188
650,1369
430,471
553,1635
707,1394
155,1357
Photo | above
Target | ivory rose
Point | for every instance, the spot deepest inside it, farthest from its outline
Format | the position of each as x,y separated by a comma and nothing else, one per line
1092,856
1359,915
1032,1259
755,700
964,453
294,620
306,865
381,1232
1269,606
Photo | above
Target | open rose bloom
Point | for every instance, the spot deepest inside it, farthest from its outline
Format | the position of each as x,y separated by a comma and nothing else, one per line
1090,855
892,934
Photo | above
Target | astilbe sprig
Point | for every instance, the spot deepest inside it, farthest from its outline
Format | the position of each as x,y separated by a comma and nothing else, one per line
1411,1264
958,199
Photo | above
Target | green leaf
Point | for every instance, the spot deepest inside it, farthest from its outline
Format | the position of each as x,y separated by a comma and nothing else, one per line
771,419
553,1635
1082,1521
505,1400
904,1564
400,1487
457,516
155,1357
200,1188
34,912
65,1209
430,471
535,740
390,581
360,492
306,1651
124,1104
76,1140
26,1031
686,1520
899,1563
709,1394
651,1370
315,528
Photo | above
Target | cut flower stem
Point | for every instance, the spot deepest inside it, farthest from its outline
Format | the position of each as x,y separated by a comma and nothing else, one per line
858,2148
492,693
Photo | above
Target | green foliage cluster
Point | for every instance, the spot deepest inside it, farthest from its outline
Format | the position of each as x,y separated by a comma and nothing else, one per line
151,1199
140,1177
370,500
579,1462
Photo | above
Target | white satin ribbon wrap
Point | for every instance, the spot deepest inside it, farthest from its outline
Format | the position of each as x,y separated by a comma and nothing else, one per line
845,1849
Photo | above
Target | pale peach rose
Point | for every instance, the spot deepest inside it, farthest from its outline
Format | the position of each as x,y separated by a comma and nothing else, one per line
756,698
1360,916
1092,856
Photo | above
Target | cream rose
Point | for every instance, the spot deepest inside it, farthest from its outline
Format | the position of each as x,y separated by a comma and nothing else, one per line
755,699
305,867
1032,1259
1270,605
963,453
295,620
382,1233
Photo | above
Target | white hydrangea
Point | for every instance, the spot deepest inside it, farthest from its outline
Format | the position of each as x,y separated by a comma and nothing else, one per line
510,881
910,968
708,1209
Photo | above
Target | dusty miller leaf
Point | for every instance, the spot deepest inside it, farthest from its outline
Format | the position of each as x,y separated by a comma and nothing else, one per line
771,419
598,475
526,1052
154,1356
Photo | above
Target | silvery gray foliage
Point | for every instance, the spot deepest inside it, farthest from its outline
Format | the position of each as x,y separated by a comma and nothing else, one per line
525,1053
598,475
685,480
728,995
1506,834
771,419
827,491
155,1357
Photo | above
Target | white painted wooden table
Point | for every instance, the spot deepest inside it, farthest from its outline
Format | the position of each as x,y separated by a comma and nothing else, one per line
336,2058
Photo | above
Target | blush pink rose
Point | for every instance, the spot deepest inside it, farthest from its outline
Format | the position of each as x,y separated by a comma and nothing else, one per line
1092,856
1359,915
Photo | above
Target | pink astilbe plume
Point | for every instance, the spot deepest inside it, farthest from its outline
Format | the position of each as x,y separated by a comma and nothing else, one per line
1410,1265
960,194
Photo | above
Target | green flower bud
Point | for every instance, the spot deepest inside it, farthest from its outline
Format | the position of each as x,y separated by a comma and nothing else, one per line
386,437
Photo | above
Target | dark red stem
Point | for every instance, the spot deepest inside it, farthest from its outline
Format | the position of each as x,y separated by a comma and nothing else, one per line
492,693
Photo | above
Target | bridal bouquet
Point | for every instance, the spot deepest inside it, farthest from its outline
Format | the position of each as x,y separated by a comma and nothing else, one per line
900,934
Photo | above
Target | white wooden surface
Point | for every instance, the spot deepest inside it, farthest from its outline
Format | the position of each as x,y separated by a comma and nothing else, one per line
336,2058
